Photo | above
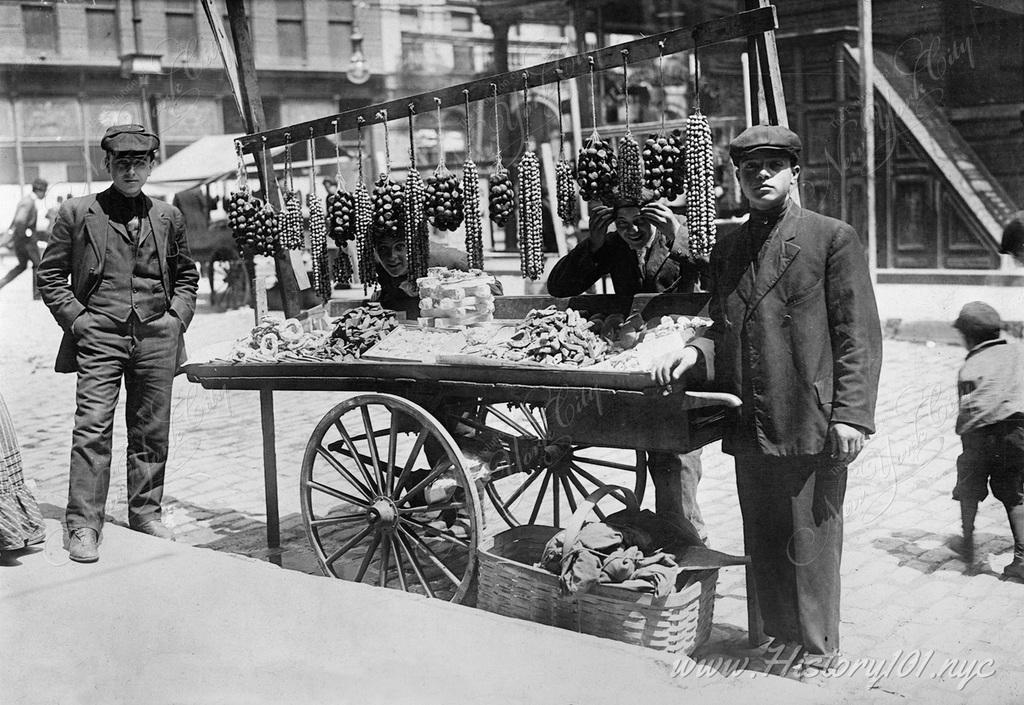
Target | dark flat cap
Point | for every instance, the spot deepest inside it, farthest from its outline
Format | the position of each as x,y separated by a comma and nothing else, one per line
765,137
40,185
978,317
129,138
1013,234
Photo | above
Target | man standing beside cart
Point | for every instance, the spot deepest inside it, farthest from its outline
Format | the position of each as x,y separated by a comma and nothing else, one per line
796,336
131,294
647,253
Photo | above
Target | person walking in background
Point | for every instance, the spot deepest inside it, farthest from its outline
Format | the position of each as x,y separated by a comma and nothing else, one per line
21,522
990,423
1013,238
131,295
796,336
26,229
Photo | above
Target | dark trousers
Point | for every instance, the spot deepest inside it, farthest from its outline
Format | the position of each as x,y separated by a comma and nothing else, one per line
144,355
675,477
26,250
793,530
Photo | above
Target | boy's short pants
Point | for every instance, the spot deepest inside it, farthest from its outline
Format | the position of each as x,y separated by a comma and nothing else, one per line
993,455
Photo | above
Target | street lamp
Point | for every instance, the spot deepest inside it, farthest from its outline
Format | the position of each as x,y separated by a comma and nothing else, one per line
141,66
358,72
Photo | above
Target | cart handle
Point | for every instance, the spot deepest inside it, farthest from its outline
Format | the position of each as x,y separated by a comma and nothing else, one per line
715,398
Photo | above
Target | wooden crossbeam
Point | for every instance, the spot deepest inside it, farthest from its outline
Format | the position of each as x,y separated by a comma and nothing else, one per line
744,24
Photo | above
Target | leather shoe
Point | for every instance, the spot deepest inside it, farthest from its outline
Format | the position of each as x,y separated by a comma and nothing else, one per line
83,545
155,527
1015,569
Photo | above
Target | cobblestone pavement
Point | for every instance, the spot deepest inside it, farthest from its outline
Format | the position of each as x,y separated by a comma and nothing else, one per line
914,624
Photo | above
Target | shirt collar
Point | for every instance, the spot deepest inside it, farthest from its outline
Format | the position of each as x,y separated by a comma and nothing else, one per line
986,344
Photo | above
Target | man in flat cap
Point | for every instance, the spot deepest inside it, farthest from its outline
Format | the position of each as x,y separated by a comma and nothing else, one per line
131,295
25,231
796,336
644,248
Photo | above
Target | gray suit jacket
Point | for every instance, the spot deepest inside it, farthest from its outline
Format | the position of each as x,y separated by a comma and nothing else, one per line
77,250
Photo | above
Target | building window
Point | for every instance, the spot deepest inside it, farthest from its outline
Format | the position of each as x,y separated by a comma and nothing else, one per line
291,32
463,59
339,38
101,29
462,21
182,32
40,28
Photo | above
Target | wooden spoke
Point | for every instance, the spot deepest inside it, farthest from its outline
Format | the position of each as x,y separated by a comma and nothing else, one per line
368,558
540,497
583,493
347,546
421,438
340,448
371,441
583,473
432,508
398,565
508,421
479,426
431,476
338,494
355,454
385,558
528,412
336,519
343,471
568,494
603,463
432,556
392,454
522,488
556,487
416,567
432,531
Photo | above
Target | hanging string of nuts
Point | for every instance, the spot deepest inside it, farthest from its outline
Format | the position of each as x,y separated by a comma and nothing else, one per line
267,230
444,192
242,211
291,224
388,204
364,218
631,162
700,181
341,217
317,231
565,186
500,192
471,199
664,170
417,238
596,165
531,207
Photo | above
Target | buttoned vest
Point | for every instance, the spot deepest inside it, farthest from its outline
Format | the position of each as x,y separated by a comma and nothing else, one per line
131,280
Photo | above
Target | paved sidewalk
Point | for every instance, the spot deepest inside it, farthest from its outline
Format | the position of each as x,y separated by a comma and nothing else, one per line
915,627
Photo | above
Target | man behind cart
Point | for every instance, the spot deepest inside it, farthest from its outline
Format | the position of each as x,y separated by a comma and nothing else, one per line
795,335
647,252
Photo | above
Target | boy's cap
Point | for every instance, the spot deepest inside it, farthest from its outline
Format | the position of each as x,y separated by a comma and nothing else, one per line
40,185
616,199
1013,234
129,138
765,137
977,316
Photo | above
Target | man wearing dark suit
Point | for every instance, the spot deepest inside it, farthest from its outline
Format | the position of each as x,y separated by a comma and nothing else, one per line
647,253
796,336
131,294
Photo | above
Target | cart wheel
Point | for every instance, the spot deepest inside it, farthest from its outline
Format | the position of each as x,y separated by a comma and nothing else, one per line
229,283
376,510
535,475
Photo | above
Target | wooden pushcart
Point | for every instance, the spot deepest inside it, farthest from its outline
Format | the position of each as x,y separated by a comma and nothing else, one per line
393,477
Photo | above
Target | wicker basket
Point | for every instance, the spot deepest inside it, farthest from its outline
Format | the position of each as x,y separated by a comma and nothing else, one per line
508,584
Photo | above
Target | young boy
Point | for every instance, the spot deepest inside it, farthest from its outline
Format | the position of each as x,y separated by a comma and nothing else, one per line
991,426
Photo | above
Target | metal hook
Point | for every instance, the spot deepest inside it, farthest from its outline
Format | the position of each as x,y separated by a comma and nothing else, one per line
412,108
494,89
360,121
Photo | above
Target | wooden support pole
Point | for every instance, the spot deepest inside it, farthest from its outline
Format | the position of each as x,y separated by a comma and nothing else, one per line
757,22
867,87
255,122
